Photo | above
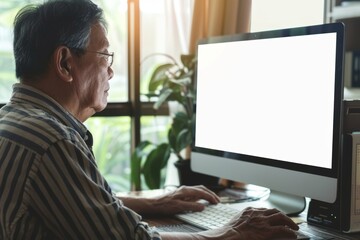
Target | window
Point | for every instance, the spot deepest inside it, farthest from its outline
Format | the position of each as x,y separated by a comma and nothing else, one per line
114,129
8,10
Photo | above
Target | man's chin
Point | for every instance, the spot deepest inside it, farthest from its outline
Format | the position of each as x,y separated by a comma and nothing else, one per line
101,107
96,109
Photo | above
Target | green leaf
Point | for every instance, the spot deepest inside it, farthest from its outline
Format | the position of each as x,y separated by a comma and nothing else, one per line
188,60
175,96
163,97
172,139
155,162
183,139
151,95
136,158
180,133
180,121
166,151
184,81
159,76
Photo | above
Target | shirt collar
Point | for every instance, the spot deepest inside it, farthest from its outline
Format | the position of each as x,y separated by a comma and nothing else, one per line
30,95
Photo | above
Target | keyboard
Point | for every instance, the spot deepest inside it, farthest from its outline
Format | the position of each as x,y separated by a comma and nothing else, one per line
215,216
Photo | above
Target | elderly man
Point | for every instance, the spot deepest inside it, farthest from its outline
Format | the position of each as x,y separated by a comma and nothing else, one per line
50,187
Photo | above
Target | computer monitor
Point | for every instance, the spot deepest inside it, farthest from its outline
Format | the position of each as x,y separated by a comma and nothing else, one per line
269,111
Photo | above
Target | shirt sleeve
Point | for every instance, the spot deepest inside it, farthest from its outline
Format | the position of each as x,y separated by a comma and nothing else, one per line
71,197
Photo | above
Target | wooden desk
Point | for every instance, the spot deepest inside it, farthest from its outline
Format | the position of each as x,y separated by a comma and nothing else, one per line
300,220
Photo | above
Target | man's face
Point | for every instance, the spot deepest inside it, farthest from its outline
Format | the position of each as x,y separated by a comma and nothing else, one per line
93,75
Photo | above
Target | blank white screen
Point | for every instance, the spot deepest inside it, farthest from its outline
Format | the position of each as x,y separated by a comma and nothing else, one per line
276,98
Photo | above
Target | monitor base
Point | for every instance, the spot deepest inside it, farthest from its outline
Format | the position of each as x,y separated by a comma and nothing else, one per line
289,204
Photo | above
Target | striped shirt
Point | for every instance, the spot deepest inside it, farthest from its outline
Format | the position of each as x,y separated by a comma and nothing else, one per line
50,186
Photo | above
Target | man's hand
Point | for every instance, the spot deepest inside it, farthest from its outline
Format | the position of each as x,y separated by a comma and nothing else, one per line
251,224
182,199
264,224
256,224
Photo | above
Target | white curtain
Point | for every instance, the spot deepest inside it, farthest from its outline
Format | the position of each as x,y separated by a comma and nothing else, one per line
178,25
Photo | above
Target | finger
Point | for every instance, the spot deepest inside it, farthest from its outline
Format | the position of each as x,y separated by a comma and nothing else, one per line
201,192
210,192
271,211
281,219
258,211
190,206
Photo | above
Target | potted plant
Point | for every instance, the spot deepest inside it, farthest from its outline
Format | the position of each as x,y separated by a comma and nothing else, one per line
171,81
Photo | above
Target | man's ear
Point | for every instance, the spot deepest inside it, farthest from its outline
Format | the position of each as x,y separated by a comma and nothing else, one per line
63,60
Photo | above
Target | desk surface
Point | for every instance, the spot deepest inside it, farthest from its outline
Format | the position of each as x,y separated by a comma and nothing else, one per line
300,219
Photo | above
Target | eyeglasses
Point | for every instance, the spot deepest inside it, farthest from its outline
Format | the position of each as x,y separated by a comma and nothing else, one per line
109,56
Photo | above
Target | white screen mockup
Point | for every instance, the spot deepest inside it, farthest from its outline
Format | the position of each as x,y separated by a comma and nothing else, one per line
273,101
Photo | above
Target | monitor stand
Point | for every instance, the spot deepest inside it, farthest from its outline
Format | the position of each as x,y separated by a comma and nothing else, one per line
289,204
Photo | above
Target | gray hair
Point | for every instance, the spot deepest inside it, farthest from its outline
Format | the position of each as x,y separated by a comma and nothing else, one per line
40,29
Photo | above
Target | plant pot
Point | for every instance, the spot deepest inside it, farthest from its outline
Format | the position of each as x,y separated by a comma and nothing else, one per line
191,178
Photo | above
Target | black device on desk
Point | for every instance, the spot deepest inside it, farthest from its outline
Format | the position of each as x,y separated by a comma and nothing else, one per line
344,214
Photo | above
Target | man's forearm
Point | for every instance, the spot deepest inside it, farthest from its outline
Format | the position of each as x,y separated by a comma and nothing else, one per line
140,205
